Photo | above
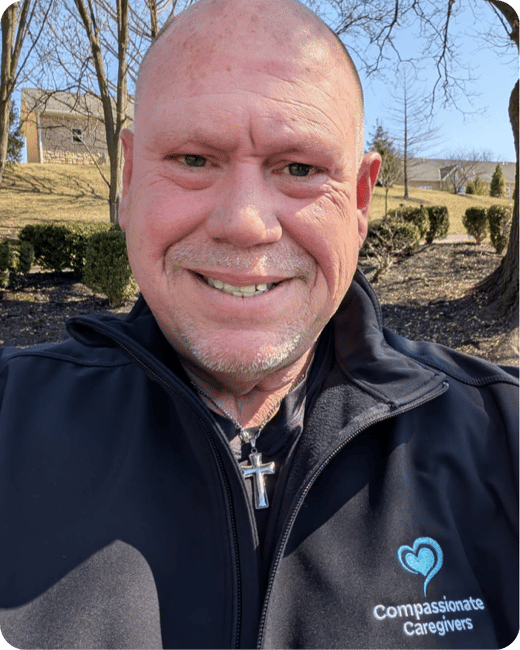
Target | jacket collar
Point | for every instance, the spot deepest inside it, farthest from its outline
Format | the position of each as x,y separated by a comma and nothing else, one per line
366,358
363,355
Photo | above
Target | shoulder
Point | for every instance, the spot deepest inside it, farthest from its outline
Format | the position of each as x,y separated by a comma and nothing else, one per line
43,370
464,368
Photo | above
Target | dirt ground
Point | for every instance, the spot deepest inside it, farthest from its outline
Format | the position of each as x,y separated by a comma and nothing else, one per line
427,296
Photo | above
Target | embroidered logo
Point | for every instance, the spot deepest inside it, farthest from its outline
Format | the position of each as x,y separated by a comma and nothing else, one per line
424,558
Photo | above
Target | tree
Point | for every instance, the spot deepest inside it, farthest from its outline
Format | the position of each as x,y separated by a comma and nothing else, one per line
114,117
477,186
498,183
15,141
463,168
15,21
414,129
390,171
97,48
371,28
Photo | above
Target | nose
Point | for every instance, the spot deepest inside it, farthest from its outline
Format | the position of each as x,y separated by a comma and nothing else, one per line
245,210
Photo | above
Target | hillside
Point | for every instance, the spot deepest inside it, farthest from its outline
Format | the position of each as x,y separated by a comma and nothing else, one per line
34,193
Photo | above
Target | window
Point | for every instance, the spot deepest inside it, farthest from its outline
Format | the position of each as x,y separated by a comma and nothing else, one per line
76,135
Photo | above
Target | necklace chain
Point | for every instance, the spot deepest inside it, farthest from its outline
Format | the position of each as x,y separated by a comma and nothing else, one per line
245,436
257,470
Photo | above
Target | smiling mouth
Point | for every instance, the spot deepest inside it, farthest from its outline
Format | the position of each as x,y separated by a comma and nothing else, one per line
248,291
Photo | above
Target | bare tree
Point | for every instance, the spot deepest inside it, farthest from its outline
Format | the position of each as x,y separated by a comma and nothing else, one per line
390,171
462,166
16,21
114,117
372,28
97,49
413,127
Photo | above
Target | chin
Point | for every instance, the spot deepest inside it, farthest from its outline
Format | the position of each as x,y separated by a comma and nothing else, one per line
246,359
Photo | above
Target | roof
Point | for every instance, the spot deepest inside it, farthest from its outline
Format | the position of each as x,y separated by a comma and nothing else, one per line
64,103
430,170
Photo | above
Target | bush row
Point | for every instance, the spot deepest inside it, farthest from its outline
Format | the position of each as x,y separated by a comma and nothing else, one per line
60,246
496,218
400,232
95,252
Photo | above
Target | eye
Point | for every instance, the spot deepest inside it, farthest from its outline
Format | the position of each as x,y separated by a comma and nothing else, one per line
299,169
192,160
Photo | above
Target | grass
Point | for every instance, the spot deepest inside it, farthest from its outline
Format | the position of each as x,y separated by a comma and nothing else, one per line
457,204
34,193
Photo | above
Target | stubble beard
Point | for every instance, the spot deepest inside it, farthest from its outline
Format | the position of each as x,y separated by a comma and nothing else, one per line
214,357
212,353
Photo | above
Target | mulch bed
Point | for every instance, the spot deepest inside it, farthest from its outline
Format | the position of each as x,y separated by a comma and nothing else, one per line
427,296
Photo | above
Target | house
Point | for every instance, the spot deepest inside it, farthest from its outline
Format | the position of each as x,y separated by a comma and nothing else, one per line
434,174
64,127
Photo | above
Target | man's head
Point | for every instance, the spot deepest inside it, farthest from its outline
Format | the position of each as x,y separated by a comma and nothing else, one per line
245,169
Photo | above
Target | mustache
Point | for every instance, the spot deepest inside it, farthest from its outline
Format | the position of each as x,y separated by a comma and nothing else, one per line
263,259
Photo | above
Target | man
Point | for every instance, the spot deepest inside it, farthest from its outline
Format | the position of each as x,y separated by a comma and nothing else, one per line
250,459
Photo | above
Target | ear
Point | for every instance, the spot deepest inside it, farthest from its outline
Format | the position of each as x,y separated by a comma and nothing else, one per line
127,138
366,180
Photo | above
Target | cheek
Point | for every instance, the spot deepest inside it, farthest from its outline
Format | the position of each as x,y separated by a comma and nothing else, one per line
328,231
160,219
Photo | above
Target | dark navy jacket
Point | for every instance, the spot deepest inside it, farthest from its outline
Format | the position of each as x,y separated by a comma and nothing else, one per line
124,522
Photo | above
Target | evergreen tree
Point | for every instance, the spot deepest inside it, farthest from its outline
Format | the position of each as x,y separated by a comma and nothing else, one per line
498,183
15,139
391,166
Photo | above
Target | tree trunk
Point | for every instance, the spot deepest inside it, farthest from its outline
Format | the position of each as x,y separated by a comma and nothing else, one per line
502,285
405,153
113,120
9,20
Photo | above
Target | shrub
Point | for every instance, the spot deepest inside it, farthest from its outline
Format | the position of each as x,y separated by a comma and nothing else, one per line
499,220
58,246
107,269
418,216
477,186
439,222
81,233
475,221
34,234
498,183
16,258
388,239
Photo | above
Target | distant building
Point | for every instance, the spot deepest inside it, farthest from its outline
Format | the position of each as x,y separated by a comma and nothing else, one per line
64,127
433,174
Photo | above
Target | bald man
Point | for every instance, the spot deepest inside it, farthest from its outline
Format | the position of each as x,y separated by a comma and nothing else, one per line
250,459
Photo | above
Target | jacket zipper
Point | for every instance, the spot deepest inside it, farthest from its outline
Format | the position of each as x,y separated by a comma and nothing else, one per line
171,388
290,521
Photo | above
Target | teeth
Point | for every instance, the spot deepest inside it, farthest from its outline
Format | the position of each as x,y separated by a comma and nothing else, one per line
246,291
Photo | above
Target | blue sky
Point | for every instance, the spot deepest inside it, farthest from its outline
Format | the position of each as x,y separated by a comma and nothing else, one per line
497,74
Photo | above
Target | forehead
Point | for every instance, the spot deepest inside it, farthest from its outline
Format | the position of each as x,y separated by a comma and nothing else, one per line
284,36
266,99
304,83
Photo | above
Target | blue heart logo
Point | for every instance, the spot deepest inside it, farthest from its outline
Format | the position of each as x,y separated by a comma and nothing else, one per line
424,557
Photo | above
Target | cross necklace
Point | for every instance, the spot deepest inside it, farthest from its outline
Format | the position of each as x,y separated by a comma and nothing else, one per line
257,470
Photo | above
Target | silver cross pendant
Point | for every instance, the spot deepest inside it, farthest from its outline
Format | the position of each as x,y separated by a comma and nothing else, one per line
257,472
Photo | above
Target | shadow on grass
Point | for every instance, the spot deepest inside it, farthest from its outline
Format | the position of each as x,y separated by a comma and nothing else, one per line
71,187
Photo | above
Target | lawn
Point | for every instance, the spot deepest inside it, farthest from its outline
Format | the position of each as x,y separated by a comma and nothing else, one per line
32,193
457,204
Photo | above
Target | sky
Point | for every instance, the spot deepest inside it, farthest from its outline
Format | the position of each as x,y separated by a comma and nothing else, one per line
497,74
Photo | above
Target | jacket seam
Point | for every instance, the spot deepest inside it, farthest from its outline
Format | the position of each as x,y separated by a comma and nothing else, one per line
448,370
63,357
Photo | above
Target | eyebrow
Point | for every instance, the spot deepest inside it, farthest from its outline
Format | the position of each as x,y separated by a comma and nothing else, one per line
300,138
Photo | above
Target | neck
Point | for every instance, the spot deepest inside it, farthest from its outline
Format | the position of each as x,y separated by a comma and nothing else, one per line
250,403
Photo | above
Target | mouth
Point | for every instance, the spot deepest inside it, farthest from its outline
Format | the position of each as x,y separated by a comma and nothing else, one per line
247,291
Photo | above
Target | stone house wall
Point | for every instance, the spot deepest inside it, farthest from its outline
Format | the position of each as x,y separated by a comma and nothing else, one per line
69,139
